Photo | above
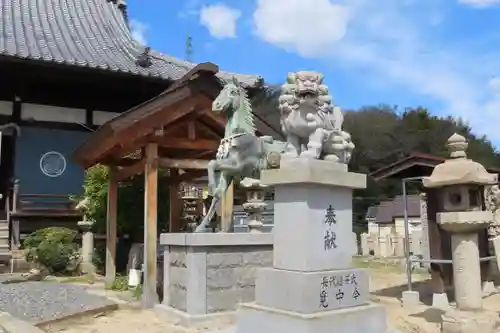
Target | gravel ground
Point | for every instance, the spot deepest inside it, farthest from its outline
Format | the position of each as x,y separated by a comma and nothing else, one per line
38,302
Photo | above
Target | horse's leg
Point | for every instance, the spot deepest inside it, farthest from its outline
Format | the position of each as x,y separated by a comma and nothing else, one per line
202,227
211,167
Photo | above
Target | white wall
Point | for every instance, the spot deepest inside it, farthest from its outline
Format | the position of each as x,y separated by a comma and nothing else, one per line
49,113
6,108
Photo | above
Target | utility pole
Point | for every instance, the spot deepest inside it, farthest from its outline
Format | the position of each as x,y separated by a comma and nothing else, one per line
189,48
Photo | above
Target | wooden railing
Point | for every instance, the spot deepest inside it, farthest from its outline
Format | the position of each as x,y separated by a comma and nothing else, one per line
41,205
35,206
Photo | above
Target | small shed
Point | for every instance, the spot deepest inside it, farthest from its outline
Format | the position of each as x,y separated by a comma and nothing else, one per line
436,241
176,131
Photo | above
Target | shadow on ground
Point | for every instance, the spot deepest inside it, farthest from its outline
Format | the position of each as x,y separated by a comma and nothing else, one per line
423,287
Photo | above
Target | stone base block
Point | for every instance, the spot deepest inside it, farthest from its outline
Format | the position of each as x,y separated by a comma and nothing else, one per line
410,298
488,288
181,318
310,292
254,318
457,321
440,301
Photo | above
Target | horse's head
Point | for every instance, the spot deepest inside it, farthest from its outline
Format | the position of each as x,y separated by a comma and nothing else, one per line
229,98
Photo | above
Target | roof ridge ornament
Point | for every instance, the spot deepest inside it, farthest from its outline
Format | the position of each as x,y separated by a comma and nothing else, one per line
144,59
457,146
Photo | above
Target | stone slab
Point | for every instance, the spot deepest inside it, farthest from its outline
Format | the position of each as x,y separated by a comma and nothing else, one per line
410,298
214,239
312,227
314,172
311,292
181,318
11,324
369,318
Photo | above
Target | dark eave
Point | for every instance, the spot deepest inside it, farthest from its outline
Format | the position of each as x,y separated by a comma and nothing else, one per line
415,165
88,34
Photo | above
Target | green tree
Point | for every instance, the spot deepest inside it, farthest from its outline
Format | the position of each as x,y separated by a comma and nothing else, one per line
130,215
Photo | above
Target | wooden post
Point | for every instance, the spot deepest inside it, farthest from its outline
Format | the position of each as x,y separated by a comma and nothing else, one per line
111,216
227,203
149,295
174,201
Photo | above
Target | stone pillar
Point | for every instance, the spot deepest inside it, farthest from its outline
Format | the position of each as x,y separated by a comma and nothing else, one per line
376,244
383,247
466,271
365,249
399,246
87,249
312,286
416,240
355,246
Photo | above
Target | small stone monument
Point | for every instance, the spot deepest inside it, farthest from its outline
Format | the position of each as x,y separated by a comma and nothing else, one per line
255,205
87,250
312,286
461,182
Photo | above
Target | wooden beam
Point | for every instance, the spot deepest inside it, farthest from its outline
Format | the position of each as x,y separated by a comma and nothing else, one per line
170,163
159,113
175,208
226,217
150,297
192,130
209,131
192,174
111,218
129,171
183,143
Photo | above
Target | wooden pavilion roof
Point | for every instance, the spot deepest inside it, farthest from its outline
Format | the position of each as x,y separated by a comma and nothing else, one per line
415,165
179,120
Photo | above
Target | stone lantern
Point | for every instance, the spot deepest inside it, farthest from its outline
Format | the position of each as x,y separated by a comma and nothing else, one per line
460,182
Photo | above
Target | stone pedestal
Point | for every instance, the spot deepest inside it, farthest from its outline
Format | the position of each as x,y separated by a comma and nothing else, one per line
87,250
464,227
312,286
206,275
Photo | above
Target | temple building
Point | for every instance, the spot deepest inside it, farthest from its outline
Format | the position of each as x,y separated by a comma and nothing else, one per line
68,68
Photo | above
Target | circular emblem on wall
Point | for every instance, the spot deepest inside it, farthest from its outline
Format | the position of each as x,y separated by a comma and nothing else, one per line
52,164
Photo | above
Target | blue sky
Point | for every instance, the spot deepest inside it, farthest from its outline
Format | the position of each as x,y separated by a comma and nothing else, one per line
440,54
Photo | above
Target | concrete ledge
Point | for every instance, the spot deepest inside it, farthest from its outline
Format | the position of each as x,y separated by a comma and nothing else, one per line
210,321
216,239
313,172
100,310
13,325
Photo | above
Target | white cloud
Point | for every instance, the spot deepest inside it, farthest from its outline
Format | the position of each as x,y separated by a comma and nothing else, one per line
139,30
220,20
479,3
308,27
395,43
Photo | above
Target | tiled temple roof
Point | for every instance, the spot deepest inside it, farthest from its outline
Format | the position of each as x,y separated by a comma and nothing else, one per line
85,33
388,210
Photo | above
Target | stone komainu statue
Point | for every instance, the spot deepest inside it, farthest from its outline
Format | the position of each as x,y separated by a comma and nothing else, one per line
310,121
492,200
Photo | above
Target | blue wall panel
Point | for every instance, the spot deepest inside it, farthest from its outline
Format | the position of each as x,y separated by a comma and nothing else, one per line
32,144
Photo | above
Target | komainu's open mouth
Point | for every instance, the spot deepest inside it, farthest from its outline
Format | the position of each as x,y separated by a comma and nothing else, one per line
307,94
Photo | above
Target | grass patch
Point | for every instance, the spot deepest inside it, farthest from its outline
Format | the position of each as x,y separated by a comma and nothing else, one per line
120,283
